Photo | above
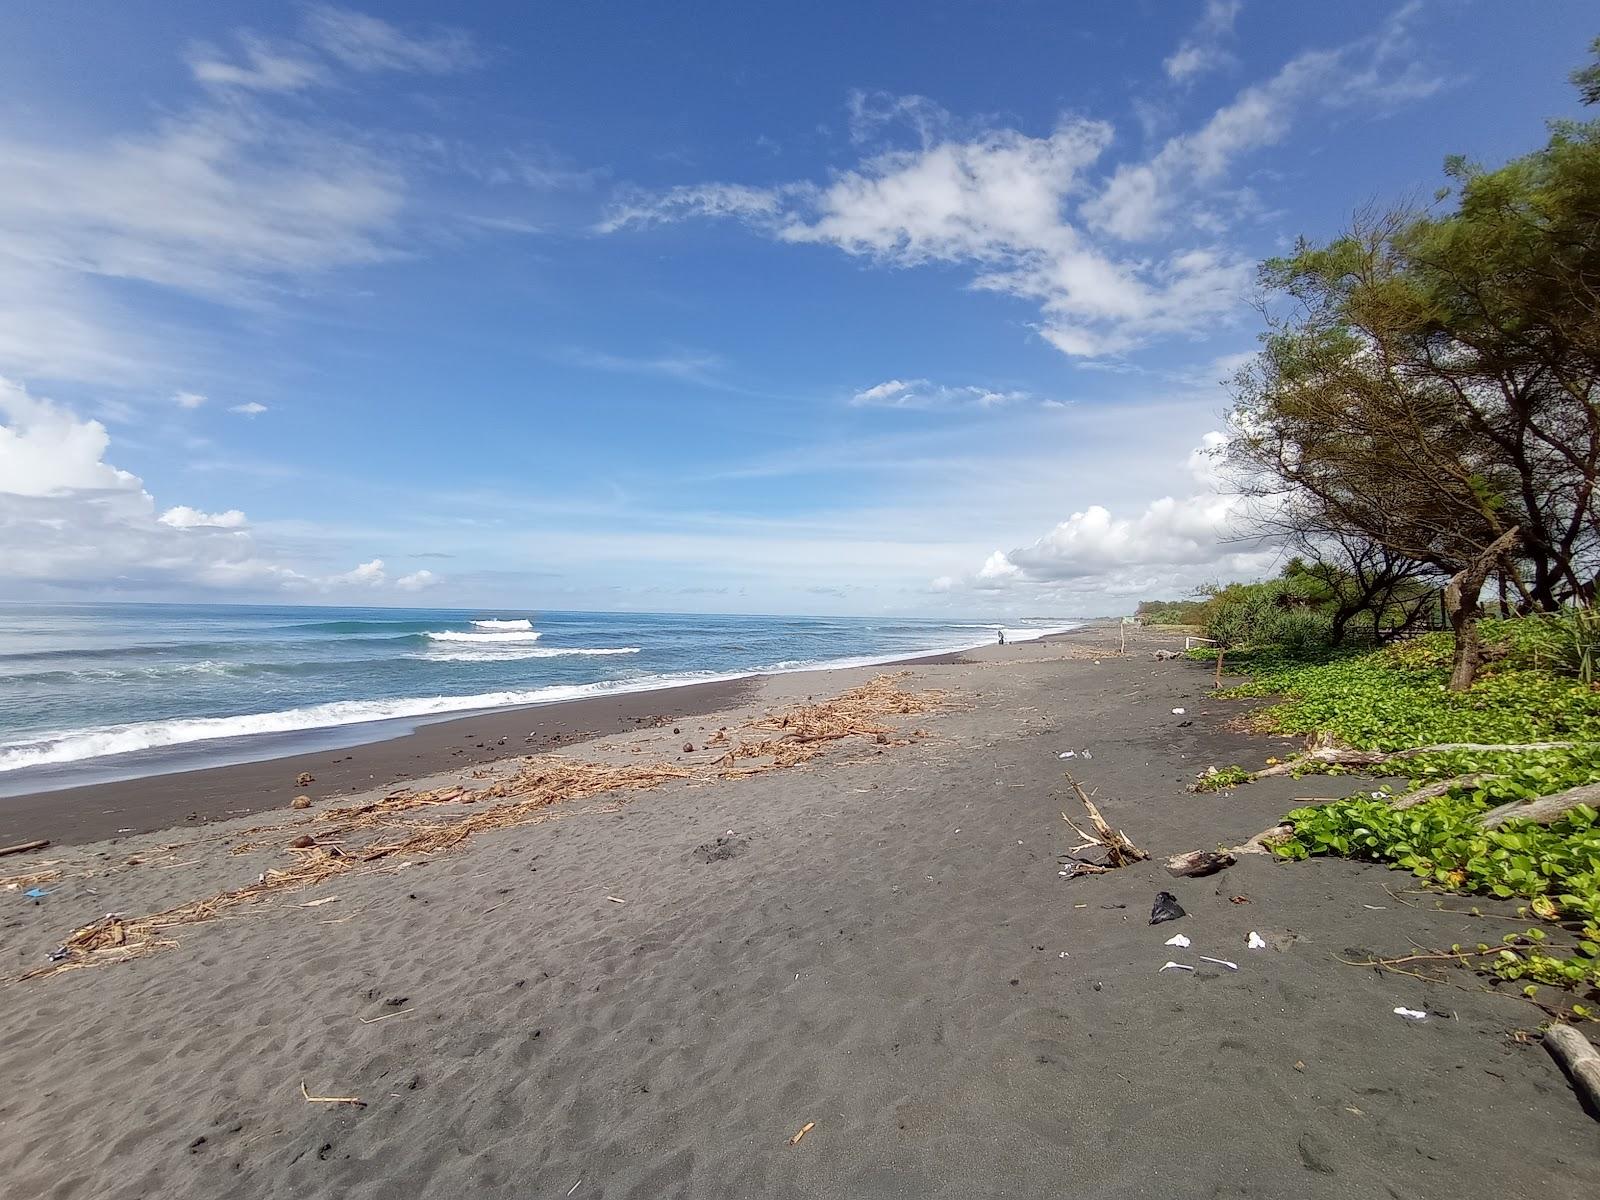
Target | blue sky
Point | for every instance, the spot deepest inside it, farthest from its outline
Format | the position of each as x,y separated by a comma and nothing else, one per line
826,308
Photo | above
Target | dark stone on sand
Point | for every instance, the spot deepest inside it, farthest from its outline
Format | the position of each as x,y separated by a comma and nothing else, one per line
722,849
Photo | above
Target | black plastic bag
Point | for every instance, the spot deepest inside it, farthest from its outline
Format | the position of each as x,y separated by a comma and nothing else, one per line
1166,908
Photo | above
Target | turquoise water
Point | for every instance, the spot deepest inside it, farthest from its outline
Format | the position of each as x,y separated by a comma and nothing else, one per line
108,690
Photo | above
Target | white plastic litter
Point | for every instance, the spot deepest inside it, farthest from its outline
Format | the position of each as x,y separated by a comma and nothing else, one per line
1411,1014
1172,966
1177,712
1068,754
1178,939
1256,942
1221,962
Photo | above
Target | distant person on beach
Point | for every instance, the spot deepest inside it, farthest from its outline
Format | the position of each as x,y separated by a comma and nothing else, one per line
1002,634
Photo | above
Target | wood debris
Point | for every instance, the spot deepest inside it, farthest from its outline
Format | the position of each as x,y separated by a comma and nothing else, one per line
353,1101
386,834
804,1129
1119,848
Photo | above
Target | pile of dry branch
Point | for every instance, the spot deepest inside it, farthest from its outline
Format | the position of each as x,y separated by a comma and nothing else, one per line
383,834
802,733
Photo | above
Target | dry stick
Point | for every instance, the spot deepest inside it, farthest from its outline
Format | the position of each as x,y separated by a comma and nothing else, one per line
1119,847
804,1129
1341,757
24,847
353,1101
1580,1059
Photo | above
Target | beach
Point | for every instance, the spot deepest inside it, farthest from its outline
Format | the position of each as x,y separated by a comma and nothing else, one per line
861,974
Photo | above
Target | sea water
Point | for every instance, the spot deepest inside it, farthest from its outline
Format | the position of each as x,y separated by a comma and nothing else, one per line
102,691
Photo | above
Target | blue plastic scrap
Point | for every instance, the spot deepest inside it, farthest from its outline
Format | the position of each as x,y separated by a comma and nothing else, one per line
35,893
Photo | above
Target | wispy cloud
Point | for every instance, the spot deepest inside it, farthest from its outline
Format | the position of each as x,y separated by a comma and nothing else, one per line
1029,216
924,394
1204,50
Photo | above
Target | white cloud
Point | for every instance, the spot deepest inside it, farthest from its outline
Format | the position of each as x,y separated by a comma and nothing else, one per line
71,520
245,192
1140,198
181,516
1021,212
922,394
1176,542
367,43
1203,50
188,399
265,68
249,409
996,203
417,581
368,574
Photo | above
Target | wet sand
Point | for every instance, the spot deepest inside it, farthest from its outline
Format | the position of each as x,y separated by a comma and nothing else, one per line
880,946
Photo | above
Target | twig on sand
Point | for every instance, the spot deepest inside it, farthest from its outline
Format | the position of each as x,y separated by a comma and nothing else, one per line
405,1012
353,1101
24,847
616,899
1120,850
804,1129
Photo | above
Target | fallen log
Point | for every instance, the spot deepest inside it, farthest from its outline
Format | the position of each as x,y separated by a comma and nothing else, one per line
1198,863
1579,1059
24,847
1336,756
1542,810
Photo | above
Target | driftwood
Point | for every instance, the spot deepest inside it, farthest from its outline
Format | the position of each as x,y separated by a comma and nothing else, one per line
1543,809
1338,756
1579,1059
1197,863
1434,790
1119,848
24,847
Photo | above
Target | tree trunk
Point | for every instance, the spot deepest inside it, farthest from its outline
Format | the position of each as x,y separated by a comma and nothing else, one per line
1463,605
1217,683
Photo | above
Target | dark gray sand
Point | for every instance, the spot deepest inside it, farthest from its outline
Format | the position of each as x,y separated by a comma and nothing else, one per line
879,943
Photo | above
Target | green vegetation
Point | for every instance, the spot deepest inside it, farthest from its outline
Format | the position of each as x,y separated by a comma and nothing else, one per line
1221,779
1532,690
1171,612
1423,417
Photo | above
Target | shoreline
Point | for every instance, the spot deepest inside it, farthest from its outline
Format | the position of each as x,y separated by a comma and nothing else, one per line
649,989
127,807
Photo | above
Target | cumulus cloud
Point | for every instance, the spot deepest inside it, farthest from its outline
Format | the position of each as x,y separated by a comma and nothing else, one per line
1033,217
70,519
417,581
1174,543
188,399
368,574
249,409
181,516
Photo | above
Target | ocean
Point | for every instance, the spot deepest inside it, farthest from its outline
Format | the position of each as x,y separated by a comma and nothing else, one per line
92,692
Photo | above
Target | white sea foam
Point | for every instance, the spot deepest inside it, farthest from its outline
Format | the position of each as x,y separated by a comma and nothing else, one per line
450,635
78,744
499,623
495,653
74,745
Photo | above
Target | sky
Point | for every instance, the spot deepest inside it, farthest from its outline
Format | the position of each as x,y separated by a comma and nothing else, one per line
897,308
